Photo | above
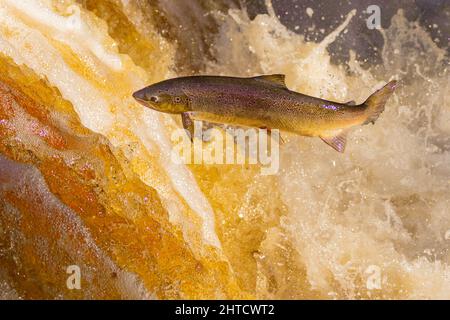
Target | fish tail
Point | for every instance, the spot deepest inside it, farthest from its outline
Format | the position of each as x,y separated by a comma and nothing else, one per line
375,103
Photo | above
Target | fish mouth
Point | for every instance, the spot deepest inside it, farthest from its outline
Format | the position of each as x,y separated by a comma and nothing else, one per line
138,96
140,99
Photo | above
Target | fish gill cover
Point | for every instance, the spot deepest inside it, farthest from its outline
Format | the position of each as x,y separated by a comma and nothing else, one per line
86,177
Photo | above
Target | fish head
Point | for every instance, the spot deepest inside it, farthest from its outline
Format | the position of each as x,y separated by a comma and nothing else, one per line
164,97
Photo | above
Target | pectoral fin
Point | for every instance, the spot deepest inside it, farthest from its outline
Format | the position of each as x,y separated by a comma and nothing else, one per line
337,142
188,124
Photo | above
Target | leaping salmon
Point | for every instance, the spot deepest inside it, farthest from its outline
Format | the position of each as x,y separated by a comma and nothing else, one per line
262,102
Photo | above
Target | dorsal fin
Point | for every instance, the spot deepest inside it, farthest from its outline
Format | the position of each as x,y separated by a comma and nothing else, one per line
273,79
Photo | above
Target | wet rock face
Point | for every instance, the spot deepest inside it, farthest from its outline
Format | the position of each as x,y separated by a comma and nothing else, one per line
43,234
65,200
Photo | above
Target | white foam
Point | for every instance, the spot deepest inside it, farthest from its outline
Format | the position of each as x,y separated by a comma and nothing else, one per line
29,46
384,202
67,27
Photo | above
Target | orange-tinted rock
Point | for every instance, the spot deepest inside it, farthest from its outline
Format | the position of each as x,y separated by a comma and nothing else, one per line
72,202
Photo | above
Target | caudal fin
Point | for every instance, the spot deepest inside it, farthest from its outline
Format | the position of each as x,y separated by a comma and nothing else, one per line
375,103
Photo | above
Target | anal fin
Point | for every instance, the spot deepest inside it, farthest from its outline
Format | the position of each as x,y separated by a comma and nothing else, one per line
337,142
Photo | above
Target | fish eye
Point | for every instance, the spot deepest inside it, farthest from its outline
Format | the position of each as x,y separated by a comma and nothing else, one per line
154,99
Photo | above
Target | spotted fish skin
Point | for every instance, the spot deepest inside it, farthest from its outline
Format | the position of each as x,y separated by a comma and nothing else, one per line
262,102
